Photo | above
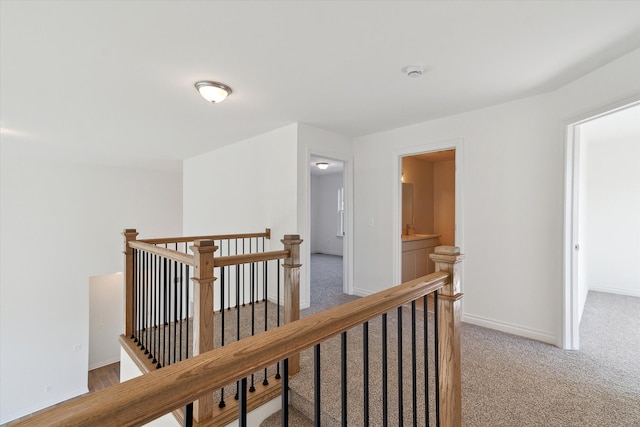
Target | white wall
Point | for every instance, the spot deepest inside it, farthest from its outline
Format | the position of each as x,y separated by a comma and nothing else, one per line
245,187
60,223
611,234
324,214
106,318
513,200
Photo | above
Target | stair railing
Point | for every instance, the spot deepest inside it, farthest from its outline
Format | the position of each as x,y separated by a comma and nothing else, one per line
145,398
188,295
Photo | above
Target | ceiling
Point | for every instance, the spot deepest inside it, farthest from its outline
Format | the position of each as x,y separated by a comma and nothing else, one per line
114,80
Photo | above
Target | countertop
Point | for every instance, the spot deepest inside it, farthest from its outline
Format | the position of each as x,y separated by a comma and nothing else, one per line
409,237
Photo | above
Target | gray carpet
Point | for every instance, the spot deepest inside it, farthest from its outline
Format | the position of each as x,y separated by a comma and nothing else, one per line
513,381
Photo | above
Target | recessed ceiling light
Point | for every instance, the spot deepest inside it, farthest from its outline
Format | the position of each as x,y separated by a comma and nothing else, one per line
213,91
322,165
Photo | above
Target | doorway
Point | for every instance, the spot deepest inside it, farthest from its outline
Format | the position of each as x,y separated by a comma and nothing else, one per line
434,171
601,211
327,232
428,209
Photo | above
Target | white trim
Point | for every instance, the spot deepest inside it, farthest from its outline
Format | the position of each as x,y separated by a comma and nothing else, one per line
347,242
571,323
510,328
12,415
362,292
453,144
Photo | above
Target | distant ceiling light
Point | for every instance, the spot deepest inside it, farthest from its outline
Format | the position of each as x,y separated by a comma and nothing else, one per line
322,165
213,91
413,71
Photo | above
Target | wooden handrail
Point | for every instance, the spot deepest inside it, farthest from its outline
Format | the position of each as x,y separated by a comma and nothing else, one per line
224,261
163,252
266,234
142,399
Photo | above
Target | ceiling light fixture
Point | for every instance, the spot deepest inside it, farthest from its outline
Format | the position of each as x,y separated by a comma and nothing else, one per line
213,91
322,165
413,71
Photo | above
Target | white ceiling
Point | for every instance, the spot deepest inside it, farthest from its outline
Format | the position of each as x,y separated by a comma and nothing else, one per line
114,79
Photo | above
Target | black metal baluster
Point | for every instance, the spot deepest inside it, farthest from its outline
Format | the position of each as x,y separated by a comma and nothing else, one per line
175,310
159,279
237,310
252,270
134,299
285,393
243,278
425,338
400,391
229,284
266,305
154,308
145,302
365,371
385,405
316,386
188,415
135,309
436,356
222,403
343,376
164,311
170,280
242,402
181,293
414,373
186,350
278,312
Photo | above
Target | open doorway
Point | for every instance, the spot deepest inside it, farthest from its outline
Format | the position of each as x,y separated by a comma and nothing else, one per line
602,232
428,209
328,231
455,148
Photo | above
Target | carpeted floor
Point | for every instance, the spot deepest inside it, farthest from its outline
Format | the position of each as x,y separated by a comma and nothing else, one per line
513,381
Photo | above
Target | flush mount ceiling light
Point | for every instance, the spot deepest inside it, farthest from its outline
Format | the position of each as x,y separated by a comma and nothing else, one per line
322,165
413,71
213,91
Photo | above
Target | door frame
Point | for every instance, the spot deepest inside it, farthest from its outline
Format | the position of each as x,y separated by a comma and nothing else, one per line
571,312
453,144
347,240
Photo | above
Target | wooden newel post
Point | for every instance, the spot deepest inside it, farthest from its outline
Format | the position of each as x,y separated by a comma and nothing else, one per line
448,258
203,313
291,267
130,234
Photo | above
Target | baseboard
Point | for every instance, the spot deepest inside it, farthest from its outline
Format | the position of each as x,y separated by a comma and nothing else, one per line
612,290
103,363
16,415
362,292
510,328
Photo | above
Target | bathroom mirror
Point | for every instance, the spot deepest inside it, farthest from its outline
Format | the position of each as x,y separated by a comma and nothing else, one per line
407,205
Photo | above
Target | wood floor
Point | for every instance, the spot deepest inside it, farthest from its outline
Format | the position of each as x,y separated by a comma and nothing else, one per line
104,377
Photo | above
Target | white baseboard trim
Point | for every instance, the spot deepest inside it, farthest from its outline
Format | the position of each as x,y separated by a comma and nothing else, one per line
102,363
510,328
362,292
612,290
30,409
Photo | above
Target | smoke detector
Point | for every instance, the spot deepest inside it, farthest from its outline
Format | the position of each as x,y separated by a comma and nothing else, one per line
413,71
